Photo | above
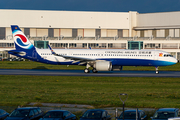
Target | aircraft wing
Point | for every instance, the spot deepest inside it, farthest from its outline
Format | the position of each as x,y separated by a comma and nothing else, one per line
82,60
75,58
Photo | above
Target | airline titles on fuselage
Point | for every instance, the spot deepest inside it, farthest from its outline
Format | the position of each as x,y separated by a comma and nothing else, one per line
107,53
127,52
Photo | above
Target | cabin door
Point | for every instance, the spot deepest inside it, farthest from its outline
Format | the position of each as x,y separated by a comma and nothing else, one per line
100,55
70,53
156,55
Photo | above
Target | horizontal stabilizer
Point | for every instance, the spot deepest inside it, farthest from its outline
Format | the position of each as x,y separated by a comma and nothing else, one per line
22,53
15,52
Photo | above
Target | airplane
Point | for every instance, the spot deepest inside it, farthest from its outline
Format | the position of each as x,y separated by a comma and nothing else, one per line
98,59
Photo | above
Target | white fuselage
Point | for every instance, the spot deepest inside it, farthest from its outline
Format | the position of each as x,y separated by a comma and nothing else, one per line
109,54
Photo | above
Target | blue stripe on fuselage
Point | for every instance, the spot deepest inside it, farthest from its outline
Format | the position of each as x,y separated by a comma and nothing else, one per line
137,62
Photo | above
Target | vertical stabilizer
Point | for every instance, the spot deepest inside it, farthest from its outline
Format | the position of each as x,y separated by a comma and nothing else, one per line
20,40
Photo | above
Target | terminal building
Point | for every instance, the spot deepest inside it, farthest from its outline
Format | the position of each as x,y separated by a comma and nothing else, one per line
98,30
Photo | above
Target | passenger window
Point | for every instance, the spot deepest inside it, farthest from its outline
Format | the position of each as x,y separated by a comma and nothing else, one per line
35,112
39,110
31,113
142,114
69,114
104,114
176,113
66,114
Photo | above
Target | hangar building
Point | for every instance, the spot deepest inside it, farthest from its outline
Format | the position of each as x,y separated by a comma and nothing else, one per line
98,30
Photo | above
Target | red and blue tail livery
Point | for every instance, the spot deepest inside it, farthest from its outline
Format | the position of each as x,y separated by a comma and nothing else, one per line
20,39
98,59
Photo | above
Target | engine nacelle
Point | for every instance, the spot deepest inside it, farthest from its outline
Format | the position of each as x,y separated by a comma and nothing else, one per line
103,66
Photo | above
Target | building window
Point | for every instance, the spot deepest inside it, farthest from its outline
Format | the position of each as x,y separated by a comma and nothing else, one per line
84,45
154,33
59,45
6,45
166,32
98,33
152,45
74,33
50,32
72,45
27,31
120,33
2,32
142,33
117,45
93,45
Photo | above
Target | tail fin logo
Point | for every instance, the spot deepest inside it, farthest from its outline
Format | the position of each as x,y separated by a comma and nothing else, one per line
22,41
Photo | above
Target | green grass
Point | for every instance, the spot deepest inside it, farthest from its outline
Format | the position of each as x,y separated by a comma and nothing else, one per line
97,91
36,65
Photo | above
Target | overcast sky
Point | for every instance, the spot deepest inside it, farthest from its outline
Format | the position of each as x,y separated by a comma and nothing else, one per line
141,6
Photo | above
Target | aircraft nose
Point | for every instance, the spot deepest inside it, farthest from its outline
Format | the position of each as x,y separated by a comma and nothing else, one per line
175,60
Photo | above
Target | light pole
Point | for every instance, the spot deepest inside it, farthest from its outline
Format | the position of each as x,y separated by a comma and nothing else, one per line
123,101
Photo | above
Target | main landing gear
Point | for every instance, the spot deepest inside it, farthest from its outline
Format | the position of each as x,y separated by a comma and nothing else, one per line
94,70
157,72
86,70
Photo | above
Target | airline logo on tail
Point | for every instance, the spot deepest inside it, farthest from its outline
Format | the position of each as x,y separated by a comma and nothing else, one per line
20,39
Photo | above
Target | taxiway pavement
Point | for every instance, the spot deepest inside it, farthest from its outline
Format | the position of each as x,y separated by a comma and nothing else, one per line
38,72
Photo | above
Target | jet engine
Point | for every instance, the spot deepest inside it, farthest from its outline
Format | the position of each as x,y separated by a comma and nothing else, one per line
103,66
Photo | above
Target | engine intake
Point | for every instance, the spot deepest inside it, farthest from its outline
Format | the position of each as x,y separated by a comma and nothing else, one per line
103,66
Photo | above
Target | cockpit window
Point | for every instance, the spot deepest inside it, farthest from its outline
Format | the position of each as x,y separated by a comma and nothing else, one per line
168,55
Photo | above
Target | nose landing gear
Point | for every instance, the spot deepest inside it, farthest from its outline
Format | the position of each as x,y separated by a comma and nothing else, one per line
157,72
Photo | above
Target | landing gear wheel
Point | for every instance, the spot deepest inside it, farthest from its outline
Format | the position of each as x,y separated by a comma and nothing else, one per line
157,72
94,70
86,70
